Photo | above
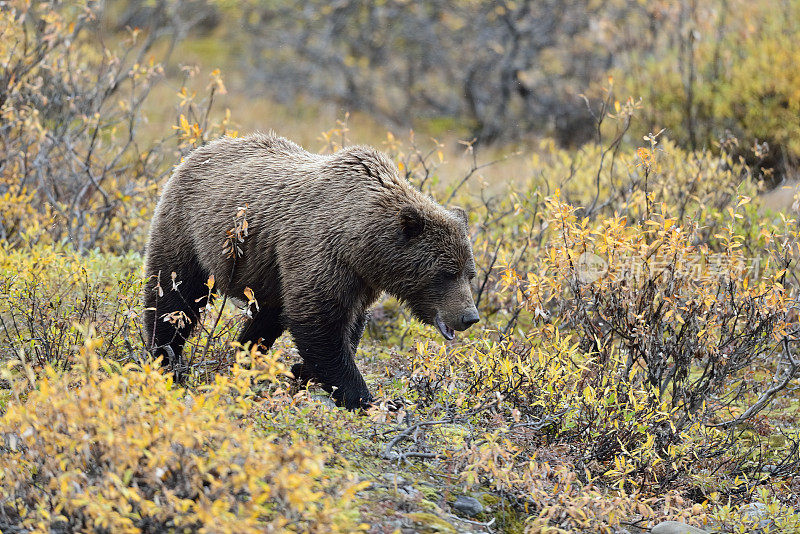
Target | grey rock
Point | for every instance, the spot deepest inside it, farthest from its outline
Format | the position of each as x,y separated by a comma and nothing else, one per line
11,441
469,506
394,525
409,492
393,479
325,400
632,529
757,512
391,455
676,527
754,510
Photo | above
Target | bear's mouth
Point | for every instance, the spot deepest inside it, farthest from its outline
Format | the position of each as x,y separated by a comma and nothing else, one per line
446,331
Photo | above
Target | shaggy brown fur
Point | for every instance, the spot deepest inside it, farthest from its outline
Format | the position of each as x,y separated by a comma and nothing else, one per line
327,234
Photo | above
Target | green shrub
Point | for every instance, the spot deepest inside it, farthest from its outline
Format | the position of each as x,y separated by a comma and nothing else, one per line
721,69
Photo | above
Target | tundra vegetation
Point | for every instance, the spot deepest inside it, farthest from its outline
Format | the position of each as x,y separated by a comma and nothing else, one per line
637,359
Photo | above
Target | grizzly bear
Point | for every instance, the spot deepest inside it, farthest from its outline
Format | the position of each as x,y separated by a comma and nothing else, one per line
324,236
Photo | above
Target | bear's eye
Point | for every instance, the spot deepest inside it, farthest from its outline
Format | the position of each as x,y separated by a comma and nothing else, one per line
449,275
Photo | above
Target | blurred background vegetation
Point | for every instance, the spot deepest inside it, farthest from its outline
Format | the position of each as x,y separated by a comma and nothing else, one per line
630,170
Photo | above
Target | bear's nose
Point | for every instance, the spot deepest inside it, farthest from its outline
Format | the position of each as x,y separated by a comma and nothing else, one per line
470,317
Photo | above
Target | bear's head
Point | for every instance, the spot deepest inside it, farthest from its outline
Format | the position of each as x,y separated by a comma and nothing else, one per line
432,266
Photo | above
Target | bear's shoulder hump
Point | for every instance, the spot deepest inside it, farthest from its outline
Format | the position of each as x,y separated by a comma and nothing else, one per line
367,161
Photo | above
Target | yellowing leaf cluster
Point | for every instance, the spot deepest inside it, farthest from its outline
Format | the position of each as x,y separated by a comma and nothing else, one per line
120,448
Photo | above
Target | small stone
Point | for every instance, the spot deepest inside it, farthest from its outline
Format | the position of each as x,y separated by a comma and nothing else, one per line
632,529
469,506
426,523
676,527
754,510
409,493
393,478
325,400
12,441
394,525
757,512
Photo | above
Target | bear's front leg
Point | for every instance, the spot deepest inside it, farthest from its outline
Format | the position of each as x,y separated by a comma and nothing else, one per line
357,330
303,373
326,346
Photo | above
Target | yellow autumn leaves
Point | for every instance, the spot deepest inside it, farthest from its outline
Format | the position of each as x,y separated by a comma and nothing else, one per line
119,447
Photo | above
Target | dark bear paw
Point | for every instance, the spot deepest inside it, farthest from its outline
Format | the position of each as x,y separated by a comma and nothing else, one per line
355,400
352,399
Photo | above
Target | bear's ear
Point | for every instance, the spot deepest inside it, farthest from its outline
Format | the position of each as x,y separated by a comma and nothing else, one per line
412,221
461,215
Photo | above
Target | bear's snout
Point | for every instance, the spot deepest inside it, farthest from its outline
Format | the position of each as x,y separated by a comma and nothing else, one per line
456,314
456,320
469,318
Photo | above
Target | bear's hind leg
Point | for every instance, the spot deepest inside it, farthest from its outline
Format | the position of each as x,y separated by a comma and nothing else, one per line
172,313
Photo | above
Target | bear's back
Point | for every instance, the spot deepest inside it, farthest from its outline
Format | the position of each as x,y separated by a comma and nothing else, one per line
291,196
